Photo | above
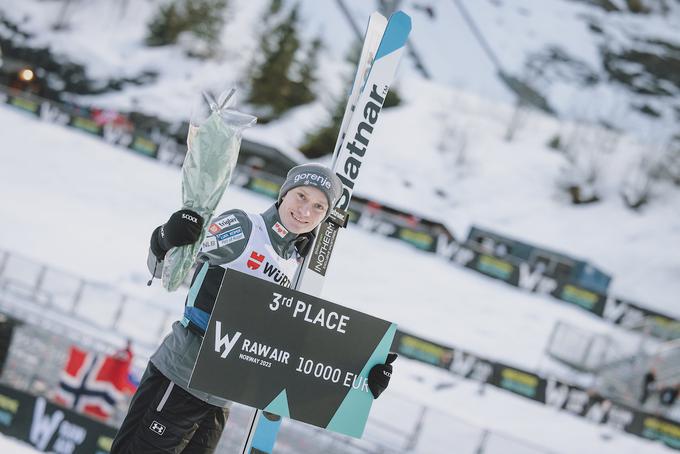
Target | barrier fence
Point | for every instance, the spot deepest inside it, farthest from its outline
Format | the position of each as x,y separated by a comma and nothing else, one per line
548,391
434,237
397,425
22,281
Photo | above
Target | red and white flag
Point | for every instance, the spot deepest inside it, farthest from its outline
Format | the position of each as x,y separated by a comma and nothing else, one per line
93,384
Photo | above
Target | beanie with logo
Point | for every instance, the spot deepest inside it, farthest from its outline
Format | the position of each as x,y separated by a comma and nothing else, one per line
315,176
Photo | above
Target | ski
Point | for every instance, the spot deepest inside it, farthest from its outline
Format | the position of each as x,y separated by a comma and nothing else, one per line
374,33
384,43
353,146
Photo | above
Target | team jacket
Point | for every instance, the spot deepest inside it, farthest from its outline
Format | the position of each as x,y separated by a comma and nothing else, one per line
258,245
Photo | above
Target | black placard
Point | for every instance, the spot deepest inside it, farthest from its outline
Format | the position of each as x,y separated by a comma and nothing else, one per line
290,353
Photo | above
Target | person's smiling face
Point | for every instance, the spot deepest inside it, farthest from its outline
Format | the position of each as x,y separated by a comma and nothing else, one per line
302,209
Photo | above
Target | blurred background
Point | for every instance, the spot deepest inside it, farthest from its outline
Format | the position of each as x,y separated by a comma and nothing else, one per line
518,214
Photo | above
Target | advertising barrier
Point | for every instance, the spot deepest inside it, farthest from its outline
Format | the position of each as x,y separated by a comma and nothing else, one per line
291,354
49,427
520,274
548,391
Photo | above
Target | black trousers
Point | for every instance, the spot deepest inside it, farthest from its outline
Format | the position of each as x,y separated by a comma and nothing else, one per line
164,418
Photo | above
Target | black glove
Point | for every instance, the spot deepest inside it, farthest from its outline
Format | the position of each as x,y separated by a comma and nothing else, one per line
304,242
183,227
379,376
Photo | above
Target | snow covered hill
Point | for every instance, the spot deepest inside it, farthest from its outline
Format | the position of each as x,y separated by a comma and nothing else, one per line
610,61
443,153
79,204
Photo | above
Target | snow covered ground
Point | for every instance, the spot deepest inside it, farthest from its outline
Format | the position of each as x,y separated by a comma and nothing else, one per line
87,208
505,186
13,446
79,204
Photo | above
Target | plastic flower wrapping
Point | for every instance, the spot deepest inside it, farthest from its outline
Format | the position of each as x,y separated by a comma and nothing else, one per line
213,144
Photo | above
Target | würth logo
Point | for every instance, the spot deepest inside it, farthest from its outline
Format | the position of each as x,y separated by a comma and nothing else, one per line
157,427
255,260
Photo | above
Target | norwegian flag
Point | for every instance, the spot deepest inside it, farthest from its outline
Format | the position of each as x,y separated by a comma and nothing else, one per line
93,384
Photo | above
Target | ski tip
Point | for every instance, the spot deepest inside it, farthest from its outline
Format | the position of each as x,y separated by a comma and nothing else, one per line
401,20
376,16
396,34
400,17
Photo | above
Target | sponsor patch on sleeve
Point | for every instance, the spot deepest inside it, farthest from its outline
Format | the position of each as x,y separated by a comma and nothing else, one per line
228,221
279,229
230,236
217,226
209,244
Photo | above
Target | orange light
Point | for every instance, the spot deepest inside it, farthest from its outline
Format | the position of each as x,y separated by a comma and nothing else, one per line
26,75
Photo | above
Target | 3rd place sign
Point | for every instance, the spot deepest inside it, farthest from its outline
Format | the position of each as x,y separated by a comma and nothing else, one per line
291,354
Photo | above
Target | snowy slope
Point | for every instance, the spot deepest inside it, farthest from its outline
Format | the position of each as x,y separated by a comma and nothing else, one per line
505,186
510,187
13,446
80,205
570,41
83,205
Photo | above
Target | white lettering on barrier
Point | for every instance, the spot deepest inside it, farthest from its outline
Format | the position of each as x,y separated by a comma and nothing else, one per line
598,411
555,393
43,426
52,114
453,251
621,313
469,366
534,280
462,364
373,224
116,135
619,417
577,401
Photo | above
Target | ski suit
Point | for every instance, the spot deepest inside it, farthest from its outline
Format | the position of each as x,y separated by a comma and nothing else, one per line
164,414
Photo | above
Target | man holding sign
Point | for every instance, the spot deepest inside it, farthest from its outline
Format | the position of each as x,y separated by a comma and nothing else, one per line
165,415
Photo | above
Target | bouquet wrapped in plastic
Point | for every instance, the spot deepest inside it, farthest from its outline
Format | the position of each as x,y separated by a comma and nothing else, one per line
213,143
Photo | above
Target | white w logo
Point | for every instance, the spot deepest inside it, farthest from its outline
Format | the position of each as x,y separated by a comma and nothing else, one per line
224,341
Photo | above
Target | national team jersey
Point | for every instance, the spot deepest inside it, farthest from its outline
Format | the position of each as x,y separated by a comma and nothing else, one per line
259,258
